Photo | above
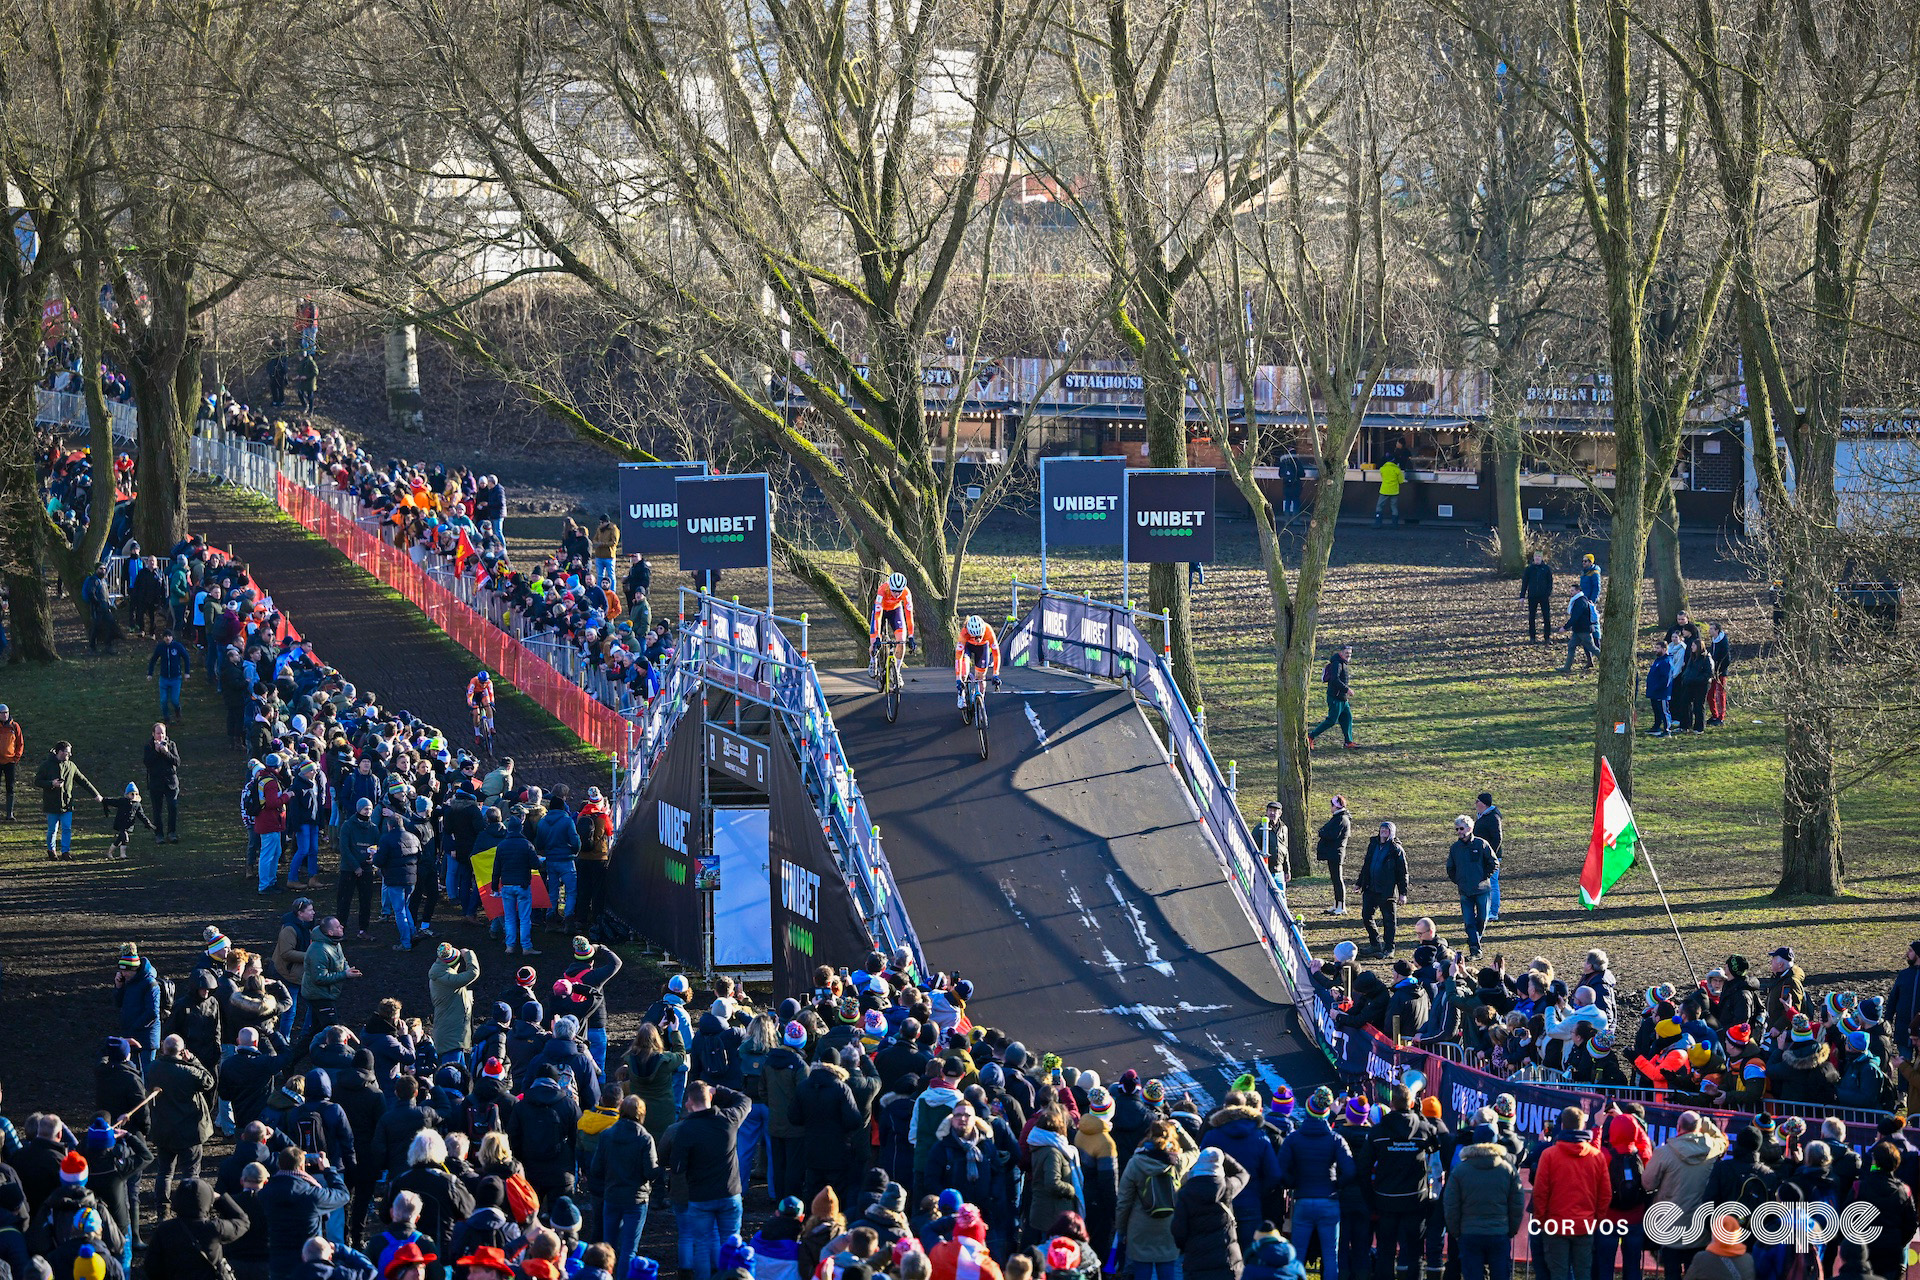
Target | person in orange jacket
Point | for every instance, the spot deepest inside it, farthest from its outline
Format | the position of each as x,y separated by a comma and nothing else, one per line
965,1257
13,746
1571,1192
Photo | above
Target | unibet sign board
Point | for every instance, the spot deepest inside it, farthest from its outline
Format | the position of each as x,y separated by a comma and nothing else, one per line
723,523
649,509
1169,516
1081,501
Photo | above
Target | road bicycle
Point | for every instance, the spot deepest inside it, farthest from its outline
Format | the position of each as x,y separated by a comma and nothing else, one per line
975,712
483,728
891,672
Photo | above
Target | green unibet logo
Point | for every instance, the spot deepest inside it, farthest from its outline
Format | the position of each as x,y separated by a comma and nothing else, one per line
726,537
800,939
1089,515
676,870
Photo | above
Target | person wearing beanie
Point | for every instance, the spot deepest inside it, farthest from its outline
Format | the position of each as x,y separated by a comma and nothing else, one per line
1316,1162
1483,1206
1804,1070
1236,1129
1866,1082
194,1240
1786,989
965,1256
1273,1257
450,980
1726,1256
672,1007
1330,847
1099,1168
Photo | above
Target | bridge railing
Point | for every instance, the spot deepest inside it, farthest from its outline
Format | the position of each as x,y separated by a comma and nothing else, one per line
1100,639
745,650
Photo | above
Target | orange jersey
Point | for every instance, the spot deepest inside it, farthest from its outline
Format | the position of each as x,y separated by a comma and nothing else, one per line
885,601
968,652
479,692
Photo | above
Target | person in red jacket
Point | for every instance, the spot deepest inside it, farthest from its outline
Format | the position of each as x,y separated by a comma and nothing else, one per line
965,1257
1571,1191
1628,1151
270,823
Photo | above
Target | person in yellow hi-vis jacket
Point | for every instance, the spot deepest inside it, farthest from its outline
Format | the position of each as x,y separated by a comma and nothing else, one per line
1391,478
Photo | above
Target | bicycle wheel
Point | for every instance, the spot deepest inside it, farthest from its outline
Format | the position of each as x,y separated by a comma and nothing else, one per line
980,722
890,687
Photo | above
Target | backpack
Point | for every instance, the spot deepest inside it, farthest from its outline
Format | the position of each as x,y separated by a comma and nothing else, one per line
1626,1175
522,1203
250,799
1162,1189
714,1057
753,1067
480,1122
166,995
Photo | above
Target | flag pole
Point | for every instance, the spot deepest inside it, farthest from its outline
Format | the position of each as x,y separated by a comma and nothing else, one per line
1641,846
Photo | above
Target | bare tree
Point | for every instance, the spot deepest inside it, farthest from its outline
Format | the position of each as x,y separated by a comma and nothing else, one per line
57,63
1806,106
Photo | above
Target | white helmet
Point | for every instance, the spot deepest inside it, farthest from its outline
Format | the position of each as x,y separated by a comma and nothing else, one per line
976,626
896,582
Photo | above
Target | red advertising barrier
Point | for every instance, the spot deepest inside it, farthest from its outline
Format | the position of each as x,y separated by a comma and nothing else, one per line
596,723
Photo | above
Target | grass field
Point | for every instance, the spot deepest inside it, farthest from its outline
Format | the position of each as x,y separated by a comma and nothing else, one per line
1450,701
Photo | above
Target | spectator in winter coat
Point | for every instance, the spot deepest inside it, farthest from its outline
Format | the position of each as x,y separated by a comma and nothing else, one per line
544,1129
1472,865
715,1055
1536,588
1394,1168
1147,1185
1099,1170
1314,1162
1490,825
936,1103
1786,988
1880,1186
191,1245
297,1200
1803,1071
1678,1175
1054,1182
565,1051
451,981
1582,626
182,1114
1203,1222
1383,882
823,1109
625,1167
965,1158
1484,1207
1236,1129
322,1125
1571,1192
246,1078
1330,847
702,1154
445,1201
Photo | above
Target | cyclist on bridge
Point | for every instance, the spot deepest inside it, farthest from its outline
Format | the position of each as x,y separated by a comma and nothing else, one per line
977,654
893,605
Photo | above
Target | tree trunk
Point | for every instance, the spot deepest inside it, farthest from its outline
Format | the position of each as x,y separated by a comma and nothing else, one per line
1509,521
1810,853
406,408
1663,557
22,526
1300,663
1613,702
1165,407
1295,763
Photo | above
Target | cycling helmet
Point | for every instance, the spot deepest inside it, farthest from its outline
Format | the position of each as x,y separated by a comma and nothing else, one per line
483,677
976,626
897,582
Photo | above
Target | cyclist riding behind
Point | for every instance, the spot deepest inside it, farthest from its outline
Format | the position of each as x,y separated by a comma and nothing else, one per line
976,655
893,605
480,698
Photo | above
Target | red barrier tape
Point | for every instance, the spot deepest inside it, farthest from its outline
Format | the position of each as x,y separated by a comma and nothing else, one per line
594,721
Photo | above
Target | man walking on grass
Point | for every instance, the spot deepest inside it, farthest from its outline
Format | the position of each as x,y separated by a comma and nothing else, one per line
57,779
1338,677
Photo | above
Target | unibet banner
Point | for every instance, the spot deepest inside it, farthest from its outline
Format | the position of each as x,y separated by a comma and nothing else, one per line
649,508
723,523
1081,501
1169,516
651,871
815,921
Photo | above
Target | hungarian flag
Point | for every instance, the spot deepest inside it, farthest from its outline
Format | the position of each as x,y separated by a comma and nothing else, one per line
1615,844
